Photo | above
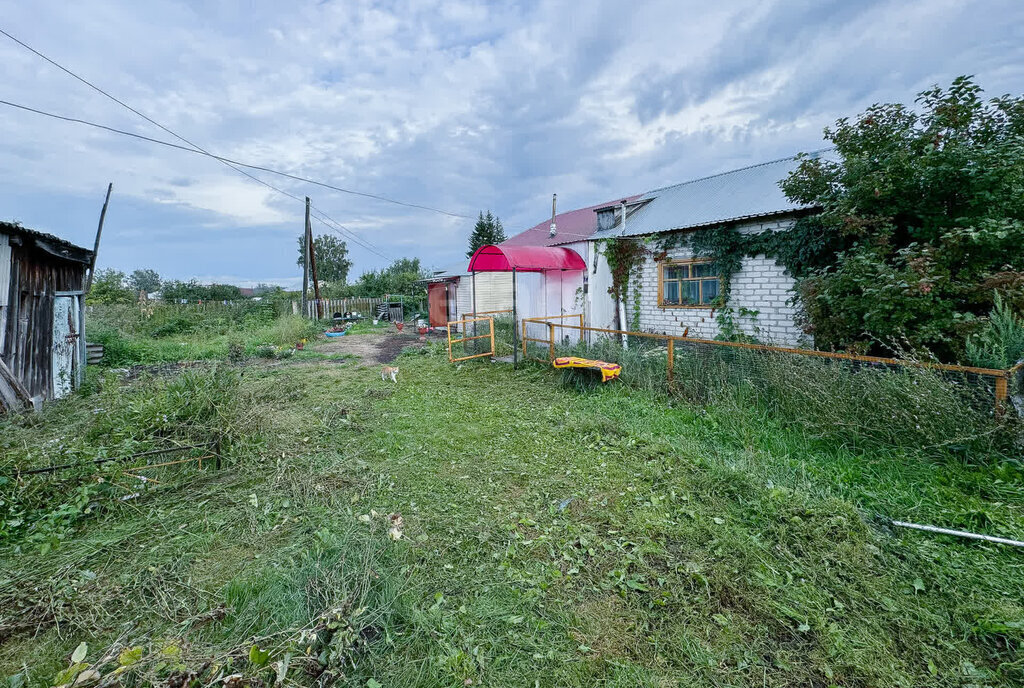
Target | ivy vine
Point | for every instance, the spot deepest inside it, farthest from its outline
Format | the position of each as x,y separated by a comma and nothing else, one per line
798,249
626,257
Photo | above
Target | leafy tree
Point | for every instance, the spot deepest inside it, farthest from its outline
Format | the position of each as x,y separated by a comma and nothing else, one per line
924,218
175,290
110,286
332,261
144,280
488,230
400,277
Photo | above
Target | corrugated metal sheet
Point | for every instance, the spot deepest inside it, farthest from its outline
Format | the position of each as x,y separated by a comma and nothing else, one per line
570,226
746,193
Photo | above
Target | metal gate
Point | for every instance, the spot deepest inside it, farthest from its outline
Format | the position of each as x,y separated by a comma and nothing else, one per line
477,339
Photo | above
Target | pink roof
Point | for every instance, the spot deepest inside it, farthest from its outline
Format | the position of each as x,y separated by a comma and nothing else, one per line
574,225
524,259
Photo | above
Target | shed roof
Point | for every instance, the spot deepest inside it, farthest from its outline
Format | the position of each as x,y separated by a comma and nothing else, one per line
570,226
525,259
53,245
746,193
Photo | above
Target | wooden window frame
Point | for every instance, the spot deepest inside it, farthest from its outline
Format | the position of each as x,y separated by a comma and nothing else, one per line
692,261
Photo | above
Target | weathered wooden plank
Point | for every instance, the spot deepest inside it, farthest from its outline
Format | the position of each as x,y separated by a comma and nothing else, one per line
13,395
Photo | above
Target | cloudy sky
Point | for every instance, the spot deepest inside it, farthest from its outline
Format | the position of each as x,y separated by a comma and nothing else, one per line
460,106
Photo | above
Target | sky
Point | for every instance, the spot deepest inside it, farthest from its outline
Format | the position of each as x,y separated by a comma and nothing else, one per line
461,106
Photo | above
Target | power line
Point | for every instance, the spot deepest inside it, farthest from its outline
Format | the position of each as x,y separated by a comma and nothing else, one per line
194,147
230,161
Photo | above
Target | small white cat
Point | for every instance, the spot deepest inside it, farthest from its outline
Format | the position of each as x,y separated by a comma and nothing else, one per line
388,371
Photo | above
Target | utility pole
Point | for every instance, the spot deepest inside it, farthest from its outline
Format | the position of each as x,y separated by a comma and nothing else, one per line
305,260
96,245
312,263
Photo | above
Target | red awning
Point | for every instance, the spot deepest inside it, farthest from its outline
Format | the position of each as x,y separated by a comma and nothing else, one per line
525,259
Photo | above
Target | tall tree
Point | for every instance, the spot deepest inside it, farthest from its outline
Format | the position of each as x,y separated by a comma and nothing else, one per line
922,222
144,280
488,230
332,261
109,286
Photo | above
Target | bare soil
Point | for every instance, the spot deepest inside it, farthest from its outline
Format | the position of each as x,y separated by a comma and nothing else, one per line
371,348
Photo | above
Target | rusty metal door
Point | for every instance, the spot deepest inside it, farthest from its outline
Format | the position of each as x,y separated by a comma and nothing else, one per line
65,344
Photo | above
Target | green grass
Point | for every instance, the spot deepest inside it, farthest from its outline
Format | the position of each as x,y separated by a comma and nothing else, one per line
552,536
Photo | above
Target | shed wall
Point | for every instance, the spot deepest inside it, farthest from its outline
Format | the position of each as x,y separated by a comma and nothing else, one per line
27,348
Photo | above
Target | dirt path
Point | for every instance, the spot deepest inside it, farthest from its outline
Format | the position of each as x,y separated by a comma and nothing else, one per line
371,348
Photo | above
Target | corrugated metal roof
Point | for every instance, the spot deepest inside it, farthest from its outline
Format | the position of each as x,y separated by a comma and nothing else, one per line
53,245
450,272
746,193
570,226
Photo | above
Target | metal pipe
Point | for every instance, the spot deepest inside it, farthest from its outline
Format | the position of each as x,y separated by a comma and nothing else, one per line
622,297
515,332
959,533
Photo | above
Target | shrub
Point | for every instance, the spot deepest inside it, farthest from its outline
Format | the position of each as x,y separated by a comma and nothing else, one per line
1000,343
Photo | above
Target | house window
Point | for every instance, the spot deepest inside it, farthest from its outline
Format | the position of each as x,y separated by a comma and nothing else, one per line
692,283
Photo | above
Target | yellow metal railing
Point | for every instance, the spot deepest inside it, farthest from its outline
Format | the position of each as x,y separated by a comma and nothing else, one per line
464,329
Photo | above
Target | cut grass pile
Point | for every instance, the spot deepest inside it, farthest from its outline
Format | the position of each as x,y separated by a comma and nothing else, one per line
549,536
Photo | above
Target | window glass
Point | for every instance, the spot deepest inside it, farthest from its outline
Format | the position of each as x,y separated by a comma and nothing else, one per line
671,293
674,272
709,290
691,292
704,270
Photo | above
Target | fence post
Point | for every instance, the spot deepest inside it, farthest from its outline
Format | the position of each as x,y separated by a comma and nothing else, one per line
671,359
1001,394
490,321
551,341
448,327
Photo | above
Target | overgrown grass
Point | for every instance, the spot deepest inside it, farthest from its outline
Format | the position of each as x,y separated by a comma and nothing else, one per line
165,333
857,404
552,535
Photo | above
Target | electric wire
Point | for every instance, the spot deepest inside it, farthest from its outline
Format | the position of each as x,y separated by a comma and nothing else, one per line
198,148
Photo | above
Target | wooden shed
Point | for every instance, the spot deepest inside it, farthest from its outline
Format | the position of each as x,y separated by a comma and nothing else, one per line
42,299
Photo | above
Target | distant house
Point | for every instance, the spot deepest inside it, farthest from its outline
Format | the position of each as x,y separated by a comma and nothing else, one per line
678,291
42,348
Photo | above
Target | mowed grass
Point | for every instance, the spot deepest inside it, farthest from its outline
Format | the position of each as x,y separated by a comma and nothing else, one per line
550,537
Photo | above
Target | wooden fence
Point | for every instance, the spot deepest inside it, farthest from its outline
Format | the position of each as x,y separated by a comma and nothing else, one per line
1000,378
328,307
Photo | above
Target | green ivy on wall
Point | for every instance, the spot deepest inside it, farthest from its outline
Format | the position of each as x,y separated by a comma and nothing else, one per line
796,249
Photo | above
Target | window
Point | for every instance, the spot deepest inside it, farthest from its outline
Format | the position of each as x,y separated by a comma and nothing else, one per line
692,283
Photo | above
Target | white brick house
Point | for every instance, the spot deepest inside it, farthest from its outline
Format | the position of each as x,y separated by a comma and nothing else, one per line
678,291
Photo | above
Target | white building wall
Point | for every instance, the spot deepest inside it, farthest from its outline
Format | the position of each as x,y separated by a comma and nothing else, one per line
761,286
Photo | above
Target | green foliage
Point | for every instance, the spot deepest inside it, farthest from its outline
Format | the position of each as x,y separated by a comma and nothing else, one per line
611,536
487,230
184,332
144,280
109,286
332,261
175,291
625,258
401,277
924,216
1000,341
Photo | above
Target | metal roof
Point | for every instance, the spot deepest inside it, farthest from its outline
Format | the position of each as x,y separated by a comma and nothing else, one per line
746,193
525,259
570,226
449,273
53,245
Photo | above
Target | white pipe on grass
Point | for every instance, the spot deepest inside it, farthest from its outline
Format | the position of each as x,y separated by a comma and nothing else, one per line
959,533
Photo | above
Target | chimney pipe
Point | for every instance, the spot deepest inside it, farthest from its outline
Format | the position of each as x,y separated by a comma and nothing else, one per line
554,229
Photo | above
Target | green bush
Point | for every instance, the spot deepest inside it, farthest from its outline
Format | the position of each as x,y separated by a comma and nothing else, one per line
1000,343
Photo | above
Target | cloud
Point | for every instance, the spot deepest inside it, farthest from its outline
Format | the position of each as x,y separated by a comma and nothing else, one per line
458,105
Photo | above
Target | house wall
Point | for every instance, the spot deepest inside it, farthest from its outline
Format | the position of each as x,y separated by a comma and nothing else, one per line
761,286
